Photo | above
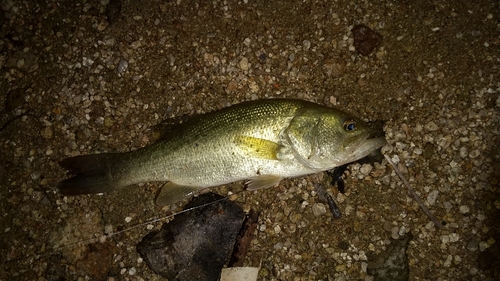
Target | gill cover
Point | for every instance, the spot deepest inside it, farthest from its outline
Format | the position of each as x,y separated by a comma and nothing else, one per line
302,135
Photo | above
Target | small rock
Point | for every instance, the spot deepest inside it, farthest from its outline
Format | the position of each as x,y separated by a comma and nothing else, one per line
453,237
102,25
365,39
340,268
464,152
46,133
432,197
122,66
445,239
428,150
277,229
318,209
366,169
394,233
393,263
196,244
473,244
306,44
244,65
15,99
448,260
464,209
483,246
108,229
474,154
431,126
254,88
108,121
333,100
136,45
334,67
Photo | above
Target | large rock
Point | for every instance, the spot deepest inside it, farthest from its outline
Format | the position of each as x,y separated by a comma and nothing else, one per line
196,244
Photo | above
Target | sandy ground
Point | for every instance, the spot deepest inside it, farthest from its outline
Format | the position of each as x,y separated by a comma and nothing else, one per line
81,77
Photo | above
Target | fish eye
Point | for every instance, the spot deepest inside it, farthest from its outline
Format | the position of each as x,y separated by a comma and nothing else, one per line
349,125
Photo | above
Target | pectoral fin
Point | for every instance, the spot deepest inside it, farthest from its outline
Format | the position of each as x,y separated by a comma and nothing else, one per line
263,181
172,193
257,147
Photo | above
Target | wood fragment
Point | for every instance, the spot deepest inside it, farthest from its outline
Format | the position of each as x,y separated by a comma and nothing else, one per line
412,193
243,239
323,196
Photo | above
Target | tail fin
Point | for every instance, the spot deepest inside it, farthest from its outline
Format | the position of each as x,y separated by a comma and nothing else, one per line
92,174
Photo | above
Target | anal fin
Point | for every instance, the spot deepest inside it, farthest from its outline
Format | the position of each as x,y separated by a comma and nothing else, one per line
172,193
263,181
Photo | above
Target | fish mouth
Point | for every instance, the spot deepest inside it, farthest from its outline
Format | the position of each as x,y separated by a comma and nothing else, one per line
366,144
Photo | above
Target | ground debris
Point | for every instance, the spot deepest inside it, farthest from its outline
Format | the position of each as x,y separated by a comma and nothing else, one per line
365,39
196,244
393,263
244,239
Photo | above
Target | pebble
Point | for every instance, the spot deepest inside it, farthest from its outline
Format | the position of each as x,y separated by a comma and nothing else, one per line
108,229
452,237
366,169
277,229
122,66
473,244
365,40
432,197
136,45
483,246
431,126
46,133
395,233
102,25
448,261
464,152
36,175
318,209
306,44
340,268
464,209
244,65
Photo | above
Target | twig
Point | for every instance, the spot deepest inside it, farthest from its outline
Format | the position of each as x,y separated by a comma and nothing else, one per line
325,197
413,194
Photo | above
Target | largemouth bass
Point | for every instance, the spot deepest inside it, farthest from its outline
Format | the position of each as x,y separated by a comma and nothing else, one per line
260,141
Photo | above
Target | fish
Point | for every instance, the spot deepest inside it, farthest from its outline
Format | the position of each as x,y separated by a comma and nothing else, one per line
259,142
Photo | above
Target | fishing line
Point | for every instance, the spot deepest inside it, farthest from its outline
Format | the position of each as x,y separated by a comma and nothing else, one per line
102,238
172,215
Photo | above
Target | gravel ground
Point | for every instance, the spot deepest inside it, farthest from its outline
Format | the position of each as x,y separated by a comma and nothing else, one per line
81,77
